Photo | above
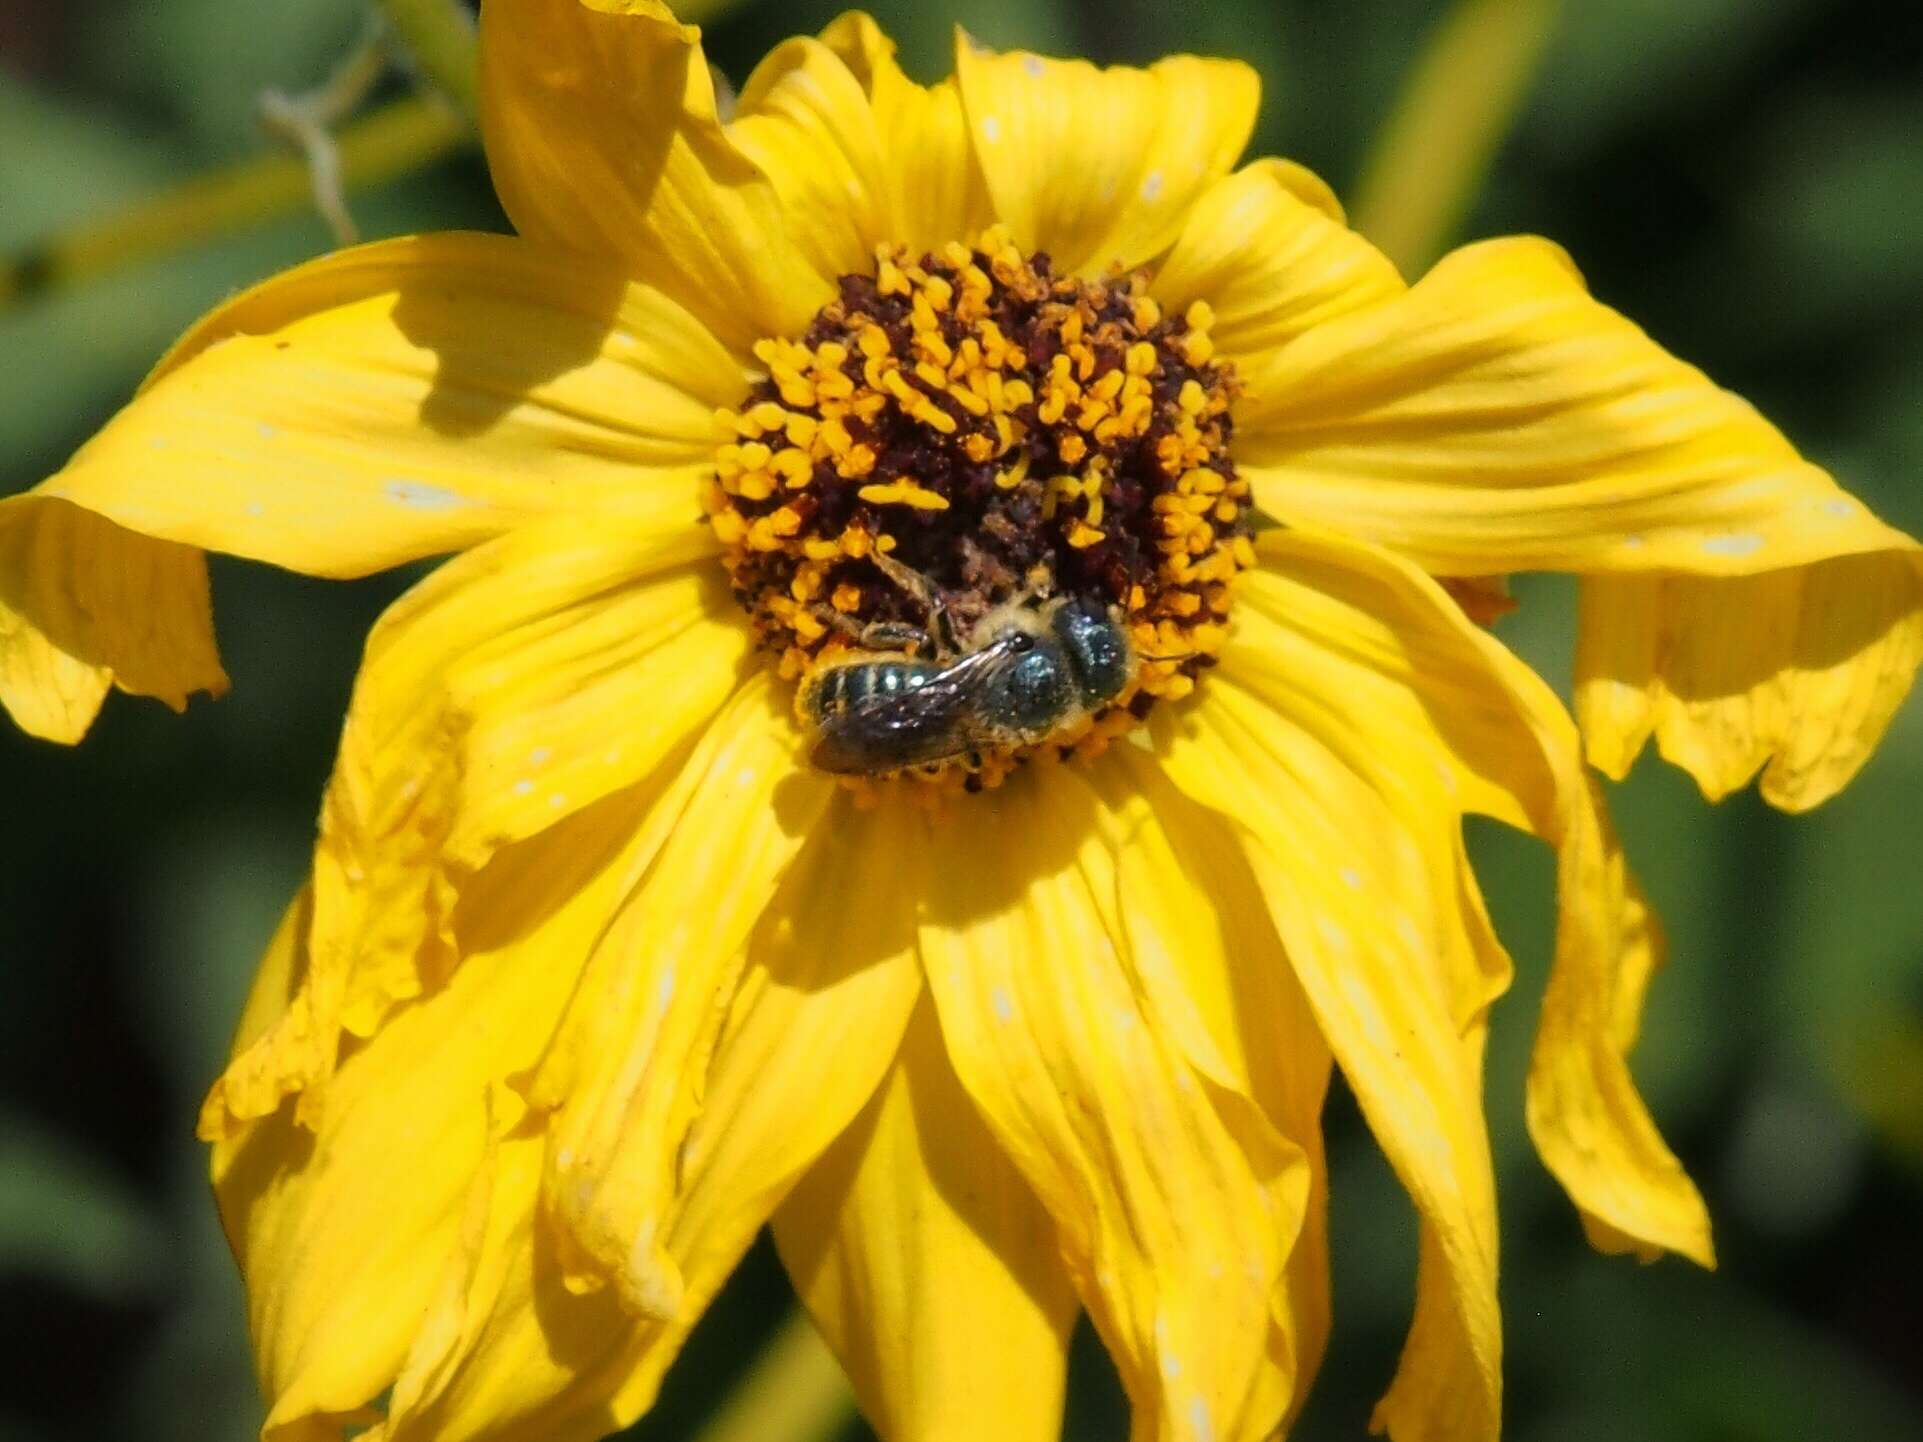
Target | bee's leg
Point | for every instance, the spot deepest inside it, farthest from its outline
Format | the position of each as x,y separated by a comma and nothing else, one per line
894,636
940,628
835,621
875,635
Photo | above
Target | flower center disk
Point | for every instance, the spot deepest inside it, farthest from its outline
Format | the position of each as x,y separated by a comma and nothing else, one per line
965,446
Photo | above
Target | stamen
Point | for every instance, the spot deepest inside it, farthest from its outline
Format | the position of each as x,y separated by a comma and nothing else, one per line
993,432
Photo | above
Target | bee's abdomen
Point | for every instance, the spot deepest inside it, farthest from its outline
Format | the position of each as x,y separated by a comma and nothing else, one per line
834,689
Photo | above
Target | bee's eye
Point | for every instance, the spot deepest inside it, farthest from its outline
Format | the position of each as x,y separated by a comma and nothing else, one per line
1020,642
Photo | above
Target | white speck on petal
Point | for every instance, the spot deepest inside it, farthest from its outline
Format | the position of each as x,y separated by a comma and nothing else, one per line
540,755
664,989
612,755
1351,878
1842,507
1332,932
1152,186
269,431
646,1280
557,800
419,496
1633,542
1033,65
1737,543
158,443
745,776
256,509
1201,1425
1003,1003
1406,929
565,1157
523,787
991,129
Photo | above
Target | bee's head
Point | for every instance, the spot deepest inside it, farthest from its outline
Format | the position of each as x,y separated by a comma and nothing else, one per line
1097,648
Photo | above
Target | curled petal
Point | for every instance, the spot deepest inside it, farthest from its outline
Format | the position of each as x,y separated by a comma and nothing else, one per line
623,1081
86,605
1496,418
538,1358
1366,952
1796,673
346,1262
1219,978
1356,716
602,637
1175,1221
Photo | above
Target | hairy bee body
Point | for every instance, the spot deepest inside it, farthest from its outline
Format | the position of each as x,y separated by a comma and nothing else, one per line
1026,673
858,679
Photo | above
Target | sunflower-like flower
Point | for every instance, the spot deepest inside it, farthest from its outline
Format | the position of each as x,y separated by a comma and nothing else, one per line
1118,525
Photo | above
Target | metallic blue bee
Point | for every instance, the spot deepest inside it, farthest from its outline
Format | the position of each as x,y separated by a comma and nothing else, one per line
1026,672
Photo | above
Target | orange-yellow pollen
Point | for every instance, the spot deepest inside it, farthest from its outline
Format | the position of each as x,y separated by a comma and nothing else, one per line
995,431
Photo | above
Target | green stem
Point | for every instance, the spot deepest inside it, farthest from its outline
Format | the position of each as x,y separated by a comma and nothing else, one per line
438,35
793,1392
393,141
1433,153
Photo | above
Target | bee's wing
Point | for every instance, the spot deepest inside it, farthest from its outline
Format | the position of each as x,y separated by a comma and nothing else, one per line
931,723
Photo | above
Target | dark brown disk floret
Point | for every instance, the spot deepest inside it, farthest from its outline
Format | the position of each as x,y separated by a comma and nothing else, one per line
974,420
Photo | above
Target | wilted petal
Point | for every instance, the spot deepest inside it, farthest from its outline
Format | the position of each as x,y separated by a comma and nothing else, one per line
603,636
86,605
539,1358
1175,1223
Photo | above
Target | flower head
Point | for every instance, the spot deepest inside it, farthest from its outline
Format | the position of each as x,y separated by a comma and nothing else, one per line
1112,523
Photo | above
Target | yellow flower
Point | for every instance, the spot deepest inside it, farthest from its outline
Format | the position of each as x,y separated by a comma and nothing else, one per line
596,973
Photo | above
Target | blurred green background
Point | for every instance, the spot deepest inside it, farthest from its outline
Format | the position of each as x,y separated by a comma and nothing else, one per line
1743,176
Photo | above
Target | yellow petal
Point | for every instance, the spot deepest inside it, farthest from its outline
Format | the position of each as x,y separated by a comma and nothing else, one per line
1219,978
1356,716
343,1255
85,605
1267,249
624,1078
594,640
930,1267
1365,951
1509,751
1495,418
602,137
823,979
1100,167
1175,1228
932,182
408,398
1584,1114
804,119
1802,669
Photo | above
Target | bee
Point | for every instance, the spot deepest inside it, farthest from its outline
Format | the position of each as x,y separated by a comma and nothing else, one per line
1025,671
